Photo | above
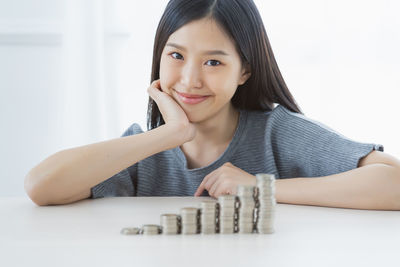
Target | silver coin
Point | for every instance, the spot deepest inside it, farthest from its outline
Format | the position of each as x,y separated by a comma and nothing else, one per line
226,231
188,217
265,230
208,205
130,231
264,184
245,230
168,217
189,231
170,232
266,197
264,177
227,200
188,210
246,202
268,212
245,190
208,231
150,229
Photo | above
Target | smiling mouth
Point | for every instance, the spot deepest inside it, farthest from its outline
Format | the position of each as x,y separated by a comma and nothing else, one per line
191,96
191,100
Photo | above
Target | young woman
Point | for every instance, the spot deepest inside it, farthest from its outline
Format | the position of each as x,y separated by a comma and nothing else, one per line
213,124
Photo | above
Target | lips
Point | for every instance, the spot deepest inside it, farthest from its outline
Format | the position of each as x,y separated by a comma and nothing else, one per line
191,99
191,96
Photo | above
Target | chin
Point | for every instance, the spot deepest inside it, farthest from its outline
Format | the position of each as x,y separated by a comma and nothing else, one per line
197,117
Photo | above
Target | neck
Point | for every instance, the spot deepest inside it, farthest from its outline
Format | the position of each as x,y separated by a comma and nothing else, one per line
217,130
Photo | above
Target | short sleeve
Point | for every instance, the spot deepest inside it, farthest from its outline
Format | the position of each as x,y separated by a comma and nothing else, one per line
122,183
303,147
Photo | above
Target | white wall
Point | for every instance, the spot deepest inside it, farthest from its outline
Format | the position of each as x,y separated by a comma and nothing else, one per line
75,72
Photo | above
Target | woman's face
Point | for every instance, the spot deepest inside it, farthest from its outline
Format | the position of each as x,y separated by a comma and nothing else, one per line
187,68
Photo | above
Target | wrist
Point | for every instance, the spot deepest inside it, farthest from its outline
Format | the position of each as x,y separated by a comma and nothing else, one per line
173,135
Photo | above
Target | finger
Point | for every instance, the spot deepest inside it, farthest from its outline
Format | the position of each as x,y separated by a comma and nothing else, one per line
199,190
155,82
211,181
201,187
154,91
214,187
221,190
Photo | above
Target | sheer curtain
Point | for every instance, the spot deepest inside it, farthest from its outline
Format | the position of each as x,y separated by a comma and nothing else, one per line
90,96
108,52
72,72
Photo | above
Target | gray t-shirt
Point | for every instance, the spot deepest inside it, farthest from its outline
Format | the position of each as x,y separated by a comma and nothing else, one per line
281,142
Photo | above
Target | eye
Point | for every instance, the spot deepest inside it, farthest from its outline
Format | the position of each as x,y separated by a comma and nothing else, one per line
175,53
211,60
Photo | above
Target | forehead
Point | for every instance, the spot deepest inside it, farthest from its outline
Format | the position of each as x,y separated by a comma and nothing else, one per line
202,35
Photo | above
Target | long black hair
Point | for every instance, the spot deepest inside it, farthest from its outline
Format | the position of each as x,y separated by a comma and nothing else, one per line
242,22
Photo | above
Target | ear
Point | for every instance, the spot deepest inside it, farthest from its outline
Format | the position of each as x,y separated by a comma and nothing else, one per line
245,75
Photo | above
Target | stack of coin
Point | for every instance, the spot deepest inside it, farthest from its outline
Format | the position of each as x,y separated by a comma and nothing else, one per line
207,217
227,210
266,203
169,224
189,216
246,209
130,231
151,229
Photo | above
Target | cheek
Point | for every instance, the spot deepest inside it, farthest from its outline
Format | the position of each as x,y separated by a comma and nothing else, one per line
167,76
224,87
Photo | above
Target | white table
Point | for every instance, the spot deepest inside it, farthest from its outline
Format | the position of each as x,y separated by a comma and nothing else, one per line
87,233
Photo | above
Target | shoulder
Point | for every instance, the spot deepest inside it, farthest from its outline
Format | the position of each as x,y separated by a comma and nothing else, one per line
283,119
135,128
283,125
279,117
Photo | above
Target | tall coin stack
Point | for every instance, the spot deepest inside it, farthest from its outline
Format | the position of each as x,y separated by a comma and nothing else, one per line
266,203
169,224
246,209
189,219
227,210
208,217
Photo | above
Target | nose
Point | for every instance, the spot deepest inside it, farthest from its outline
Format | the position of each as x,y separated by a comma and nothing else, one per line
191,76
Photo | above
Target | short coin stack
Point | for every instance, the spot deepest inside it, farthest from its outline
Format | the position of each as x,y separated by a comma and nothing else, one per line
246,209
266,203
130,231
189,220
208,217
151,229
227,210
169,224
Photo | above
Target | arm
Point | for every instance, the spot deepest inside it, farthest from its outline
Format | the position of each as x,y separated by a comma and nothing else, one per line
68,175
375,184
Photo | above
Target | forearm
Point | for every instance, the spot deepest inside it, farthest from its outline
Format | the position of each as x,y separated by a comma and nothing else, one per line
75,170
375,186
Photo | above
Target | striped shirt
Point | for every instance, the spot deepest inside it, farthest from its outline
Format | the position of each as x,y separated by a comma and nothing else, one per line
280,142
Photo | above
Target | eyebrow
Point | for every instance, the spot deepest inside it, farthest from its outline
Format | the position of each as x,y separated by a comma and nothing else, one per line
210,52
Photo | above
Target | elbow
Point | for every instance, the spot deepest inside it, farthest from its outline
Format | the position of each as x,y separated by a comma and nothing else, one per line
31,186
394,188
398,193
